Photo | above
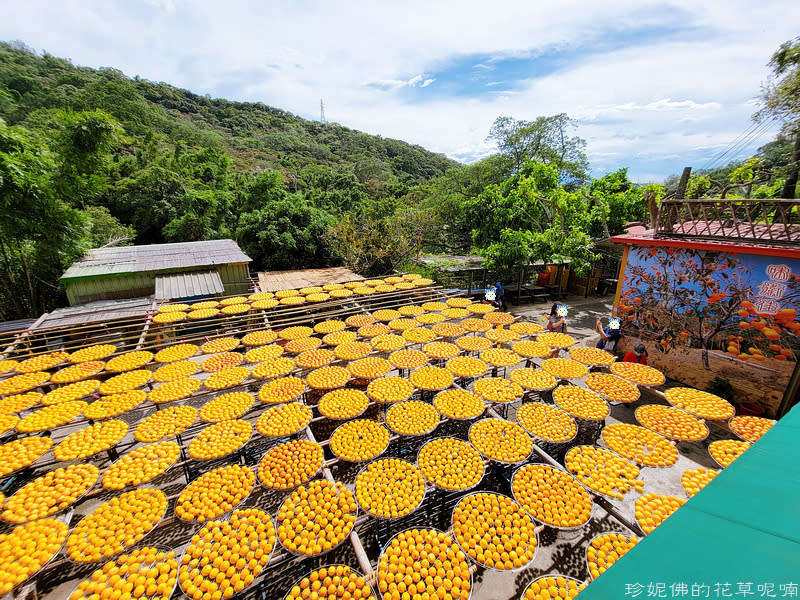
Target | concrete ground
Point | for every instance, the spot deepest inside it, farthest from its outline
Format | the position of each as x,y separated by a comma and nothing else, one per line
564,552
582,313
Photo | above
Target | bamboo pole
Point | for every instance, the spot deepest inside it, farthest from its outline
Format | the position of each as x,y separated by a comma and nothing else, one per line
148,320
22,335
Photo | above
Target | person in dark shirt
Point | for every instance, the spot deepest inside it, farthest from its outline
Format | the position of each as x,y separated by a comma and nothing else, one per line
557,323
609,336
557,319
637,355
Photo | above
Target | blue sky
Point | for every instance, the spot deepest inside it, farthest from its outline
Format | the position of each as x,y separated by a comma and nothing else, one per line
653,85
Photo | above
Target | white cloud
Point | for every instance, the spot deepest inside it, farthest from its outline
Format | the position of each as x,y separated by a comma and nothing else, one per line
396,84
686,109
664,96
164,5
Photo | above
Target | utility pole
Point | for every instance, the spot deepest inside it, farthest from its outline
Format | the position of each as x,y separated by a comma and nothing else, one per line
680,193
321,111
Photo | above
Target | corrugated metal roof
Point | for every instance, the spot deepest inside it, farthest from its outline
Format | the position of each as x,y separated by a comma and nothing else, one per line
188,285
103,310
19,325
272,281
156,257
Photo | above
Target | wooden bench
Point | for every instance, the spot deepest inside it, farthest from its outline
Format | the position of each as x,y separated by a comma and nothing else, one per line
606,285
555,293
543,296
529,291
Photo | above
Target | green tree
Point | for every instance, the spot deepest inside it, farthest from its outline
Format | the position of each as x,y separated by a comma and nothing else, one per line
364,245
163,164
330,189
780,98
546,140
447,197
84,149
148,201
263,189
84,145
105,230
515,248
39,234
208,166
530,217
744,177
373,246
414,224
189,227
614,201
528,200
698,185
288,233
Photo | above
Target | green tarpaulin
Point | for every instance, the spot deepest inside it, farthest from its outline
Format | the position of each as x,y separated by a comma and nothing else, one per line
738,538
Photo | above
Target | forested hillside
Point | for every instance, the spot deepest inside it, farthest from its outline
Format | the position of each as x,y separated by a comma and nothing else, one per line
131,161
90,157
254,136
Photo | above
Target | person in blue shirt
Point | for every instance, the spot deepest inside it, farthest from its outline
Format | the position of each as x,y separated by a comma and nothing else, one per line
609,336
495,295
500,295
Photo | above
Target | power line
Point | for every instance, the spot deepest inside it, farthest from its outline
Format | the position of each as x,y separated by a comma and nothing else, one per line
739,143
735,141
752,133
764,126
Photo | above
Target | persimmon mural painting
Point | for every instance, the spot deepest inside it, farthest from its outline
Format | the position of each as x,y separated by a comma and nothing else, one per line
732,315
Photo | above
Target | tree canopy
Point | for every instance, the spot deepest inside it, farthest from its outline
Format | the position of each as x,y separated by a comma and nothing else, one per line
90,157
781,94
39,234
111,159
545,139
780,98
532,217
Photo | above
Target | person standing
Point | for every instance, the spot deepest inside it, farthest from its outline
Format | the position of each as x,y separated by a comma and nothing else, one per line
500,296
637,355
